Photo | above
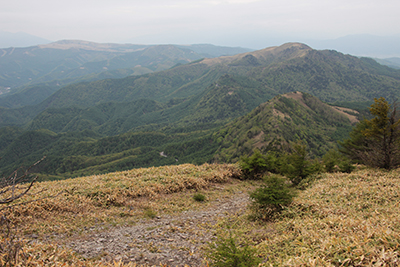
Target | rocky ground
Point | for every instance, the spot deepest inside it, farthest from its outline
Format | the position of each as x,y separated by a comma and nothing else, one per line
173,240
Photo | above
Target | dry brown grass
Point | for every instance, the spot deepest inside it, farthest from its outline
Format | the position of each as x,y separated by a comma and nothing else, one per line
342,220
103,201
100,197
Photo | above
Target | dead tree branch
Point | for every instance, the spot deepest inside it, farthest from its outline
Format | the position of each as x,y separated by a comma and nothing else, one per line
16,186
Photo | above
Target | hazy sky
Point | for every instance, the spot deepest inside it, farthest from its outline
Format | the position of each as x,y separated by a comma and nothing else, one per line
247,23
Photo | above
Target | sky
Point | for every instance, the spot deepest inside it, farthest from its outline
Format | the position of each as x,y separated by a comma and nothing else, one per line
248,23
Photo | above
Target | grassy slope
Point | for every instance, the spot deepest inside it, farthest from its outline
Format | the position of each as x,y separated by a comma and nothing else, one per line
104,201
341,220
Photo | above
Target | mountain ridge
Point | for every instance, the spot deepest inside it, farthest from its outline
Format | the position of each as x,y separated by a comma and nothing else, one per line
55,61
257,77
85,152
329,75
284,119
197,113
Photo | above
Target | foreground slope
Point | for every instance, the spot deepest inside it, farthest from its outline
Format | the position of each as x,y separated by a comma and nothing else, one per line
341,220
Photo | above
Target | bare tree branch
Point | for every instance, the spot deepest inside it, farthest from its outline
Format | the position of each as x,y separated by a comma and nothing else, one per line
10,186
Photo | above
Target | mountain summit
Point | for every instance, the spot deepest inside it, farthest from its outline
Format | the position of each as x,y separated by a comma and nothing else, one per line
263,57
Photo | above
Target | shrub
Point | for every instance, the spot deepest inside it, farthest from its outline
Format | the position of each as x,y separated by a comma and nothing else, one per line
271,198
199,197
228,252
334,161
255,166
346,166
298,166
330,160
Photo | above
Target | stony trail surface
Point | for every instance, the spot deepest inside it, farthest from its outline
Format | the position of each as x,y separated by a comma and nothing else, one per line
172,240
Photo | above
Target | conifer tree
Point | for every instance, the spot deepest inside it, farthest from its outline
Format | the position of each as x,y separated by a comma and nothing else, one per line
376,142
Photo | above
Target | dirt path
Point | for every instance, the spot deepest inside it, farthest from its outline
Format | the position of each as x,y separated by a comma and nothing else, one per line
173,240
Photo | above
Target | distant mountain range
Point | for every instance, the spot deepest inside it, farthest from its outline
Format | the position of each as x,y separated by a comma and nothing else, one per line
393,62
20,39
208,109
362,45
54,65
357,44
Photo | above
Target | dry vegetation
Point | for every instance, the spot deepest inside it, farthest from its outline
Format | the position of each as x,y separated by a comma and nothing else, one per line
342,220
104,198
104,201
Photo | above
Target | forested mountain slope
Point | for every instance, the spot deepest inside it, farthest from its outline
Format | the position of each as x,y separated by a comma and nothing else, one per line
257,77
270,126
328,75
25,71
113,124
284,119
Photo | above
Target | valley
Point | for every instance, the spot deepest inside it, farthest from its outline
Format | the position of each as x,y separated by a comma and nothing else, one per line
187,110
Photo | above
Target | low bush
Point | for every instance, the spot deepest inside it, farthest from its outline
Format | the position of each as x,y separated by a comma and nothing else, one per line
272,197
295,165
228,251
298,166
334,161
199,197
255,166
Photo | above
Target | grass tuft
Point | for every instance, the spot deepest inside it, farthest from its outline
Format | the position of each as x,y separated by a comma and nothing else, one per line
199,197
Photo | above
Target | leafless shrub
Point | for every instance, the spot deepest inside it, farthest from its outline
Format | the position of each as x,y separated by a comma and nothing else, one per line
12,188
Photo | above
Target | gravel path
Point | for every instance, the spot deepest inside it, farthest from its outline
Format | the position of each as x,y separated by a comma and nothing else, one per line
173,240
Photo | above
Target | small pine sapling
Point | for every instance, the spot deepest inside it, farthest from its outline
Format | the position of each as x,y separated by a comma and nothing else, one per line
272,197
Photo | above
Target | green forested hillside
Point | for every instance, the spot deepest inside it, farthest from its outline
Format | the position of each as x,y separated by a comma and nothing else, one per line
106,119
328,75
69,59
284,119
34,73
156,86
85,153
30,95
270,126
228,98
188,111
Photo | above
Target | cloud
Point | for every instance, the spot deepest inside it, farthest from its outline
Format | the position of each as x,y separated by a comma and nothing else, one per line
178,21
